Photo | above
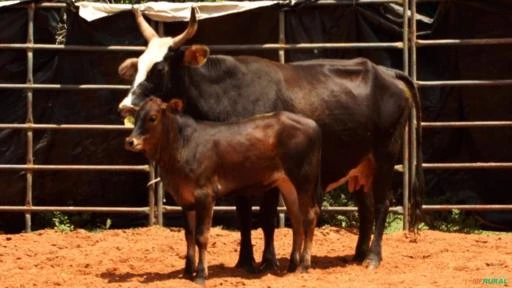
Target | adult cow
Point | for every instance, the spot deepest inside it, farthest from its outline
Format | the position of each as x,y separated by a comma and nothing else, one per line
361,108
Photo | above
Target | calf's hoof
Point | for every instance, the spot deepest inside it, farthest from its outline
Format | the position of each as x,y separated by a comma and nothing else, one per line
303,269
371,262
200,281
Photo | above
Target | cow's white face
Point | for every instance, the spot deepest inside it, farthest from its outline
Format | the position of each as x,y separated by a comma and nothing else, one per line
138,69
157,48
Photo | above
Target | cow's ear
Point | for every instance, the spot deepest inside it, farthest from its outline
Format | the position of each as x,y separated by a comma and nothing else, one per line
128,69
196,55
175,105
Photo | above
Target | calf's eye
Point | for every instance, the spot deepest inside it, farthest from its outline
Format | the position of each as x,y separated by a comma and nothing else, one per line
152,119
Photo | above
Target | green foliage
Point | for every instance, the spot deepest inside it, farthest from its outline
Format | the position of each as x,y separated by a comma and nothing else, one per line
69,222
100,227
61,222
453,221
339,197
394,223
90,223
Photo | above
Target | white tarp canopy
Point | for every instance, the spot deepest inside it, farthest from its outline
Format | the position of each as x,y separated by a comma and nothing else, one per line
9,2
162,11
170,11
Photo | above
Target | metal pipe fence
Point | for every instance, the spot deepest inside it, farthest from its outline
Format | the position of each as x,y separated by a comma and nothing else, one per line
155,208
417,43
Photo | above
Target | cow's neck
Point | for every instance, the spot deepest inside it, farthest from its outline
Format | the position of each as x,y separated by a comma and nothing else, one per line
222,90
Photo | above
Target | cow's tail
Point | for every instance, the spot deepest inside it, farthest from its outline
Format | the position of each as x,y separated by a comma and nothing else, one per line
418,180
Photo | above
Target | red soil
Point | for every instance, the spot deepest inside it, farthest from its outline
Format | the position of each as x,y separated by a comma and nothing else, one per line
154,257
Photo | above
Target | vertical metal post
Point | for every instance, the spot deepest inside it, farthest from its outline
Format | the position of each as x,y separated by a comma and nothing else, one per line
406,179
282,35
413,123
30,116
151,195
413,41
159,186
405,36
160,203
281,55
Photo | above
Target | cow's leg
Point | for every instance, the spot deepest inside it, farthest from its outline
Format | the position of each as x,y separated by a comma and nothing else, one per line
291,202
366,217
204,214
267,217
190,228
246,257
384,162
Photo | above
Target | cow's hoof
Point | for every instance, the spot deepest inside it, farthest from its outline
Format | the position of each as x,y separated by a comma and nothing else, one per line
292,267
359,257
371,263
248,265
188,275
268,265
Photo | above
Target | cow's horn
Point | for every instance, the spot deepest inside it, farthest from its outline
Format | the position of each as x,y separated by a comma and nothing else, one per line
189,32
146,29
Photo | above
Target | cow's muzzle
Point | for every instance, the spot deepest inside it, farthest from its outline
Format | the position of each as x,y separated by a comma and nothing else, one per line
127,111
133,144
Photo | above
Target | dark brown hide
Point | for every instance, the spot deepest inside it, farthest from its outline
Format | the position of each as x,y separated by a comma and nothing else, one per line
200,162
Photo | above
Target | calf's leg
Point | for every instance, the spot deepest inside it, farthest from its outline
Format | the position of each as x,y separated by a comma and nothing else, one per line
310,212
204,214
190,230
291,202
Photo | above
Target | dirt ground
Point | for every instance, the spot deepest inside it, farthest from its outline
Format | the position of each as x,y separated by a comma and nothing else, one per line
154,257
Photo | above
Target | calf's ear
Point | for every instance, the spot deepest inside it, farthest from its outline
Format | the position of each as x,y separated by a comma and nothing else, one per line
175,105
128,69
196,55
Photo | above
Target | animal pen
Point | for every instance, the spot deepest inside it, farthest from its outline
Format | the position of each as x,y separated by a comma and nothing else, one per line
408,46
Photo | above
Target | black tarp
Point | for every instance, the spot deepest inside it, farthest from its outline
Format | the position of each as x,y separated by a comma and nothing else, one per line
304,24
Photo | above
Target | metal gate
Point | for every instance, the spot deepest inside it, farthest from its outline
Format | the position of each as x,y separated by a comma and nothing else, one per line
155,208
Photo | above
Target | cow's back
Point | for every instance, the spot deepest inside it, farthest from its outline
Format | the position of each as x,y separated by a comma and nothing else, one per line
352,101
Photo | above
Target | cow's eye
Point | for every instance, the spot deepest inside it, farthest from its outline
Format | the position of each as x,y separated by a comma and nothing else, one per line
152,118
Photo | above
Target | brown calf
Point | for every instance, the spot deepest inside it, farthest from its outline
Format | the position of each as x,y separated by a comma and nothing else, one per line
201,161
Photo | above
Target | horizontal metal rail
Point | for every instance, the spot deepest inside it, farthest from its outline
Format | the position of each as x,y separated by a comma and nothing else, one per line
87,48
65,86
474,165
466,124
113,168
459,83
232,47
282,2
231,209
486,207
66,127
73,209
461,166
352,2
463,42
